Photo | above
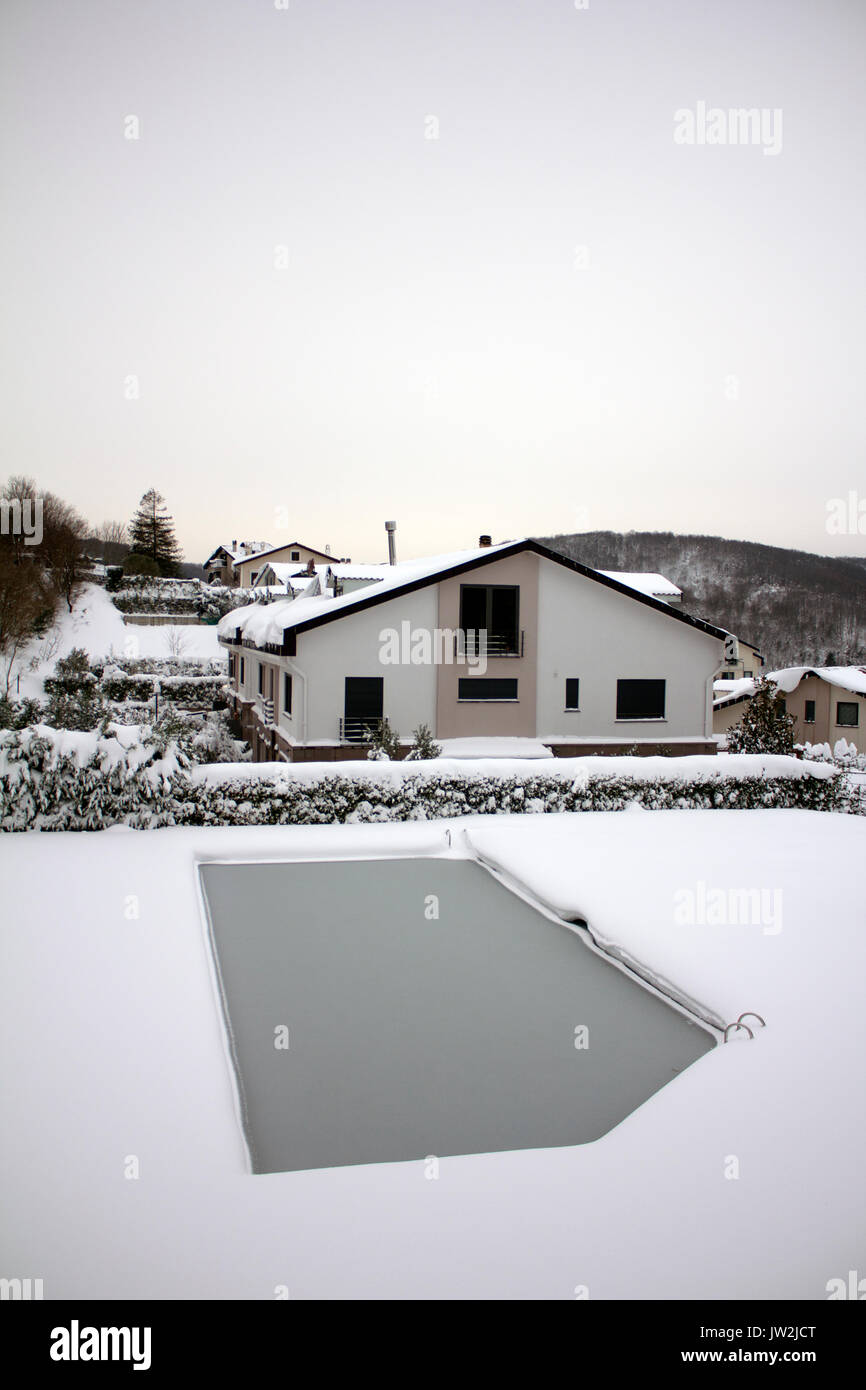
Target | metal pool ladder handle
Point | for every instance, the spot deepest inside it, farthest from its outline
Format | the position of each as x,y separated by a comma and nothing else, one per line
749,1013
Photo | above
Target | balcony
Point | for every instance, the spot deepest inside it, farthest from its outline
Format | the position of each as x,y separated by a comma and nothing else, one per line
482,642
354,728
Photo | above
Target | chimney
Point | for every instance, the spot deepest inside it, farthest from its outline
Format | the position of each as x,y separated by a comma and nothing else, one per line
234,545
391,527
484,540
311,566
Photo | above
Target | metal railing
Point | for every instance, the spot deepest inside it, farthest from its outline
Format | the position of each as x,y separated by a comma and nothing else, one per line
357,728
474,642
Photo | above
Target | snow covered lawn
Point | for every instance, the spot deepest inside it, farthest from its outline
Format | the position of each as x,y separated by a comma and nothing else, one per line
114,1051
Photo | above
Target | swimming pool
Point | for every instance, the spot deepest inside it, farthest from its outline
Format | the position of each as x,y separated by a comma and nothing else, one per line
396,1009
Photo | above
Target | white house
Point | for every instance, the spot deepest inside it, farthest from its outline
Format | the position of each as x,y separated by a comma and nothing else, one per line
567,655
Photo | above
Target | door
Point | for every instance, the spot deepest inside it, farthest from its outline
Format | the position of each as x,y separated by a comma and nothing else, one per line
363,706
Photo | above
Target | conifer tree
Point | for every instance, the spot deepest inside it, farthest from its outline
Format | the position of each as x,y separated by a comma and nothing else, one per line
766,726
151,532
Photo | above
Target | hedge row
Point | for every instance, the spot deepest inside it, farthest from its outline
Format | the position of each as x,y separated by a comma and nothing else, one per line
85,782
186,690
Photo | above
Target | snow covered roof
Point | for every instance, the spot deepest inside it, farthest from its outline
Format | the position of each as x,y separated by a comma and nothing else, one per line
277,549
236,552
656,585
353,571
851,678
265,627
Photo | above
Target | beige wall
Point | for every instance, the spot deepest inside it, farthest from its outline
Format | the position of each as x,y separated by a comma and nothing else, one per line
826,697
824,730
255,563
459,719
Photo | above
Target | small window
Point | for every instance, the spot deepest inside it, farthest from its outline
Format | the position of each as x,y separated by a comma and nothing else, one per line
231,667
296,554
243,671
640,699
478,688
572,693
254,576
261,679
847,714
287,693
748,673
809,716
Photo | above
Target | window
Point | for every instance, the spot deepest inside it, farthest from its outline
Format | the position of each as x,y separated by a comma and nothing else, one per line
476,688
748,673
287,693
572,693
231,666
261,679
296,554
254,576
243,671
847,712
492,608
809,716
640,699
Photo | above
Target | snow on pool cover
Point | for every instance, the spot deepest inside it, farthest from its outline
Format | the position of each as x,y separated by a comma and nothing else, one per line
386,1010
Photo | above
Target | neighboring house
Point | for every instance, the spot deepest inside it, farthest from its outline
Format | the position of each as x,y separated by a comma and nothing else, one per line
747,664
574,659
220,564
827,702
339,578
294,553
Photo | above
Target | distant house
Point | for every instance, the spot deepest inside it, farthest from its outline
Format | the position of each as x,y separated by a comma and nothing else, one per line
571,657
219,566
827,702
747,664
294,553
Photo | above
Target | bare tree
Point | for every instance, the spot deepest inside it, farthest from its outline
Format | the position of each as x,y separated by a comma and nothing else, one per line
25,600
177,640
112,532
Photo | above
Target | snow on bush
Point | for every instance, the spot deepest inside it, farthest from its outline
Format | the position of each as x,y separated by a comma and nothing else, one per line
141,777
843,754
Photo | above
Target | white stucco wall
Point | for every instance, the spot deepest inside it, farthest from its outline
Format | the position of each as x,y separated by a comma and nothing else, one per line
598,635
351,647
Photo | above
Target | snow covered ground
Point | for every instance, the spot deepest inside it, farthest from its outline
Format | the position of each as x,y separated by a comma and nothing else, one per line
114,1055
97,626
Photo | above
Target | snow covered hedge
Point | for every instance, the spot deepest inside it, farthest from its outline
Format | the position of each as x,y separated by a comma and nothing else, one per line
60,780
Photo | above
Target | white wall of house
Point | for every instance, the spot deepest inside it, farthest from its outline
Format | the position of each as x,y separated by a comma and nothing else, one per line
588,631
351,647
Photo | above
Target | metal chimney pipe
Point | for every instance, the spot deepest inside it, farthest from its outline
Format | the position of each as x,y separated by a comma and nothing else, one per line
391,527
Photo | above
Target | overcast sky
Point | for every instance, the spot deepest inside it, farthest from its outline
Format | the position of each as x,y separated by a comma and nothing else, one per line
551,317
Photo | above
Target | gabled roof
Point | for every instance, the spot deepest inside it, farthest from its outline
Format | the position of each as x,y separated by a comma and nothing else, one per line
239,552
269,627
275,549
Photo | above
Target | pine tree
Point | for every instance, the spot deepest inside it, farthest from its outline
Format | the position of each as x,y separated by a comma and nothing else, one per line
766,726
423,745
151,532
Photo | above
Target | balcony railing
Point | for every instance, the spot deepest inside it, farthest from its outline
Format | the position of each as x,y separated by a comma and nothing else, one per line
471,643
357,728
